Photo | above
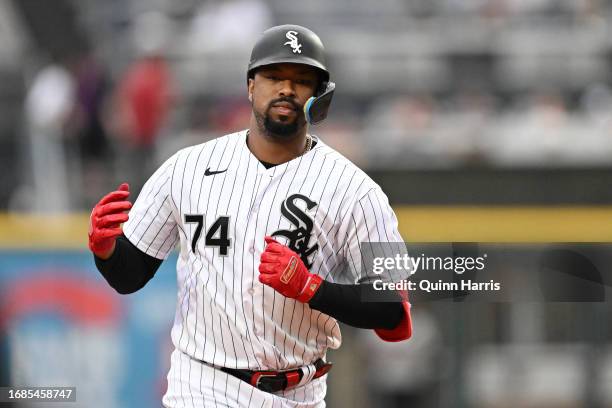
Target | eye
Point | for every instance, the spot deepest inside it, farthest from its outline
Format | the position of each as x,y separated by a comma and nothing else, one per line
306,82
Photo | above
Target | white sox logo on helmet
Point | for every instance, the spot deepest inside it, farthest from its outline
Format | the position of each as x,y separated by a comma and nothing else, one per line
293,42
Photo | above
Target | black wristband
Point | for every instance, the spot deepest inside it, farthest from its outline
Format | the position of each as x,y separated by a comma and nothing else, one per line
128,269
344,303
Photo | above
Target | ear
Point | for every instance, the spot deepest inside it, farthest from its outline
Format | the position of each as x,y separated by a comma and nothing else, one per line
250,86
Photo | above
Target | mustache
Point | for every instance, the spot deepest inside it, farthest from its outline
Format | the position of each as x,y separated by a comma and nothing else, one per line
296,106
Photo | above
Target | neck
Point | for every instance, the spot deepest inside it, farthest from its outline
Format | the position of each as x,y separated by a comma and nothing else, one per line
273,150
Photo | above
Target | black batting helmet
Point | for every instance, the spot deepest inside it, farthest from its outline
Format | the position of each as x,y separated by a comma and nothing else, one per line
288,44
295,44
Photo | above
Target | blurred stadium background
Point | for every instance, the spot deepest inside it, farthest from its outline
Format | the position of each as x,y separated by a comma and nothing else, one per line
483,120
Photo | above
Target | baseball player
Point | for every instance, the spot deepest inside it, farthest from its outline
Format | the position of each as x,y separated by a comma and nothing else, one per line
268,221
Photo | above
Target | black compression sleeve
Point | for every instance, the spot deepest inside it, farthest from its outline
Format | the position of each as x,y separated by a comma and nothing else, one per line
128,269
343,302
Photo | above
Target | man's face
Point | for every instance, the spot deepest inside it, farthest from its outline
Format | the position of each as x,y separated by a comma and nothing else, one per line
278,93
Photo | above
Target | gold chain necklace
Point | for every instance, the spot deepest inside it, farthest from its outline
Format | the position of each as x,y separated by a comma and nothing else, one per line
308,144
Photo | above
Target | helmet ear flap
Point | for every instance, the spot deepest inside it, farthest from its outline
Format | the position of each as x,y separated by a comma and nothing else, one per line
316,108
321,88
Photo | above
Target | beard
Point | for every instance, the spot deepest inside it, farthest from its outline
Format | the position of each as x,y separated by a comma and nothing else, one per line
276,128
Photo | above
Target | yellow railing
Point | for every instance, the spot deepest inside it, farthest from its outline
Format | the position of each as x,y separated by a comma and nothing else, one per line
505,224
417,224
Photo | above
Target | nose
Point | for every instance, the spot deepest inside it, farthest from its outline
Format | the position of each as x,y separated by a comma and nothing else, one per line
287,88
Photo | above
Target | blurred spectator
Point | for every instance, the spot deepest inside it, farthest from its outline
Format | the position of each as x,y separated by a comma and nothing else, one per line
93,143
534,133
229,25
143,102
208,121
398,131
542,132
466,119
49,102
596,102
228,115
143,99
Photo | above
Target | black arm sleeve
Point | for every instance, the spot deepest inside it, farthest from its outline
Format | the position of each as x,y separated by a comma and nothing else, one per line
128,269
343,302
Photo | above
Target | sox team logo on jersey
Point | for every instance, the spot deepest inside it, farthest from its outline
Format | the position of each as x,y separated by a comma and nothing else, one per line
299,238
293,42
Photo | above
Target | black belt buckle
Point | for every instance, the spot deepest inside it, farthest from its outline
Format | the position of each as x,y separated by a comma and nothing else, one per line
266,385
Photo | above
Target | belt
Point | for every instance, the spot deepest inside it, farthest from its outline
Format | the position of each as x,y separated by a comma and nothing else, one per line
274,381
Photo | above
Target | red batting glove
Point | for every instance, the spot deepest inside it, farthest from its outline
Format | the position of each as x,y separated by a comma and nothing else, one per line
106,219
283,270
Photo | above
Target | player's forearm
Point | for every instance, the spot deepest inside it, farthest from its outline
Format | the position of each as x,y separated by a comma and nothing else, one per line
128,269
344,303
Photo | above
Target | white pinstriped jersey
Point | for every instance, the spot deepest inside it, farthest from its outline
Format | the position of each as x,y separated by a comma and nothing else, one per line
219,201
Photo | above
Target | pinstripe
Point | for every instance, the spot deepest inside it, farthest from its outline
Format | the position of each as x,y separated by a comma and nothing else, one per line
248,330
345,242
172,181
315,216
159,230
314,156
255,192
180,210
334,224
361,265
135,224
250,396
264,288
267,231
278,227
164,242
198,273
207,279
304,309
162,171
223,263
326,242
331,201
151,223
188,288
379,220
387,249
212,314
190,277
202,265
234,254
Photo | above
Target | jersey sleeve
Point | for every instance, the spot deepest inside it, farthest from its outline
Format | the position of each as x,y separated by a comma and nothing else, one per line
151,226
373,233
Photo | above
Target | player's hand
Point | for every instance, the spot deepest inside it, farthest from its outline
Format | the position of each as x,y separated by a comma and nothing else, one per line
106,219
283,269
